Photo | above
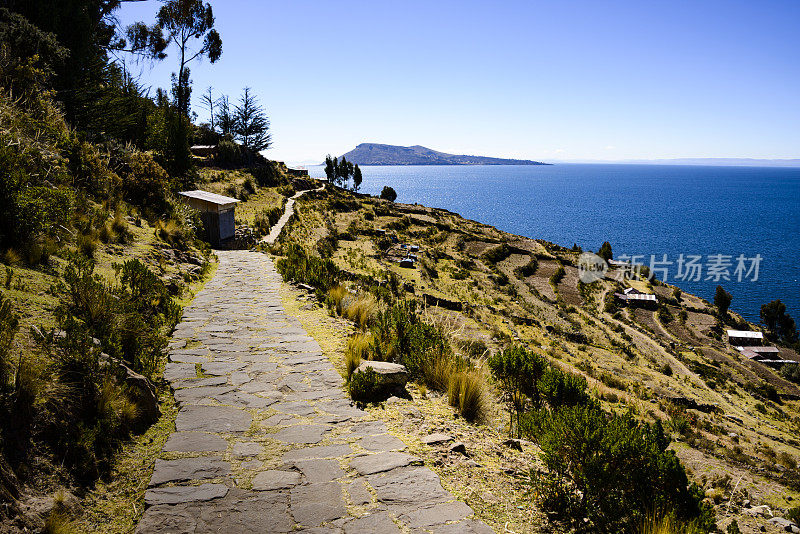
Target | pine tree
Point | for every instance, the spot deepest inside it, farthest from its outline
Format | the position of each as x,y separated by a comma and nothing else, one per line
251,126
357,178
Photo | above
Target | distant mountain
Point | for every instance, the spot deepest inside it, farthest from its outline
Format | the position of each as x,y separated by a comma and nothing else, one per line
377,154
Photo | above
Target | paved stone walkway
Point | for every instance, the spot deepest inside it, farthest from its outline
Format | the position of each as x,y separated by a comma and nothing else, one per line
288,211
266,440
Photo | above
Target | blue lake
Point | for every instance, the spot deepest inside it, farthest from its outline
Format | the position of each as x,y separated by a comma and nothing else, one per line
641,210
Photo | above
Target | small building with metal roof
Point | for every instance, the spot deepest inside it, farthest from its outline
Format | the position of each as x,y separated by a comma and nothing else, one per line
216,211
742,338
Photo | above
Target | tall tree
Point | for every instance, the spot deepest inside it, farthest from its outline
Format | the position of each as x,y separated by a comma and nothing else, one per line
357,178
186,21
330,169
605,251
722,300
778,322
207,101
251,126
225,119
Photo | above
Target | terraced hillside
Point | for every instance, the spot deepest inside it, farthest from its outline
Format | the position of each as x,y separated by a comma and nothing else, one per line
734,421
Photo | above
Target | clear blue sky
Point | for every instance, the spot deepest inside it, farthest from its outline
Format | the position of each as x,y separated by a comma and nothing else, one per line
548,80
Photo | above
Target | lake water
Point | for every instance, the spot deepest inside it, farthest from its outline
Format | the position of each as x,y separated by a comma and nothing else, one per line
641,210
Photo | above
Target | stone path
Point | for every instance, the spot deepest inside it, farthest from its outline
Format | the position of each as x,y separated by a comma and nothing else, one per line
266,440
276,230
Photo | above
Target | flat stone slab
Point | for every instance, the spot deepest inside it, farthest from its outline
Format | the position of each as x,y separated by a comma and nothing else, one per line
296,408
315,504
222,368
195,442
319,470
301,433
213,419
433,439
184,494
409,486
275,480
325,451
237,513
195,395
379,522
438,514
382,443
247,448
382,461
184,469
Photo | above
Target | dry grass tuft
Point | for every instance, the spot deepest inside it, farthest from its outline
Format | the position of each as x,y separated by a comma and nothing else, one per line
357,350
466,392
360,310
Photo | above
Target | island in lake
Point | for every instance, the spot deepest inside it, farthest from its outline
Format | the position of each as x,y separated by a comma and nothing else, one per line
378,154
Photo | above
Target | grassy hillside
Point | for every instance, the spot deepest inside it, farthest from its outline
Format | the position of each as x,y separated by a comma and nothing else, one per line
733,421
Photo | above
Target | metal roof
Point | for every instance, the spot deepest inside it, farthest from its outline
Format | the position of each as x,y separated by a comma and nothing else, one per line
209,197
745,334
763,350
641,296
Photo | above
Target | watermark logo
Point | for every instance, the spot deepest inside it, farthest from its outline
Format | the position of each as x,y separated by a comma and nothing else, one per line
591,268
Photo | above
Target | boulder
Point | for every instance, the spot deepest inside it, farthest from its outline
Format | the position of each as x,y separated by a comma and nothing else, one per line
438,437
756,511
459,447
391,376
785,524
144,391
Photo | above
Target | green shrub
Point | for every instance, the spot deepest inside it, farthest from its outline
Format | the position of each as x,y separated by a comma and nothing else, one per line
497,254
400,335
518,372
387,193
228,154
610,469
9,324
364,386
558,275
529,269
301,267
664,315
563,389
145,184
613,381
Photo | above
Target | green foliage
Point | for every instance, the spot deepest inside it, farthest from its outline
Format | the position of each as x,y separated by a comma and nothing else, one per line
498,253
145,183
733,528
228,154
791,372
558,275
302,267
605,251
9,324
611,469
793,515
559,388
388,193
400,335
251,125
664,314
518,372
722,300
529,269
779,323
364,385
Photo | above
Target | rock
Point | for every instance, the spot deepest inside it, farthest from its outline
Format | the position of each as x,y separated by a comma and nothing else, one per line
195,442
184,469
143,390
314,504
784,523
459,448
183,494
433,439
513,444
394,400
438,514
377,522
391,376
382,443
762,511
274,480
383,461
